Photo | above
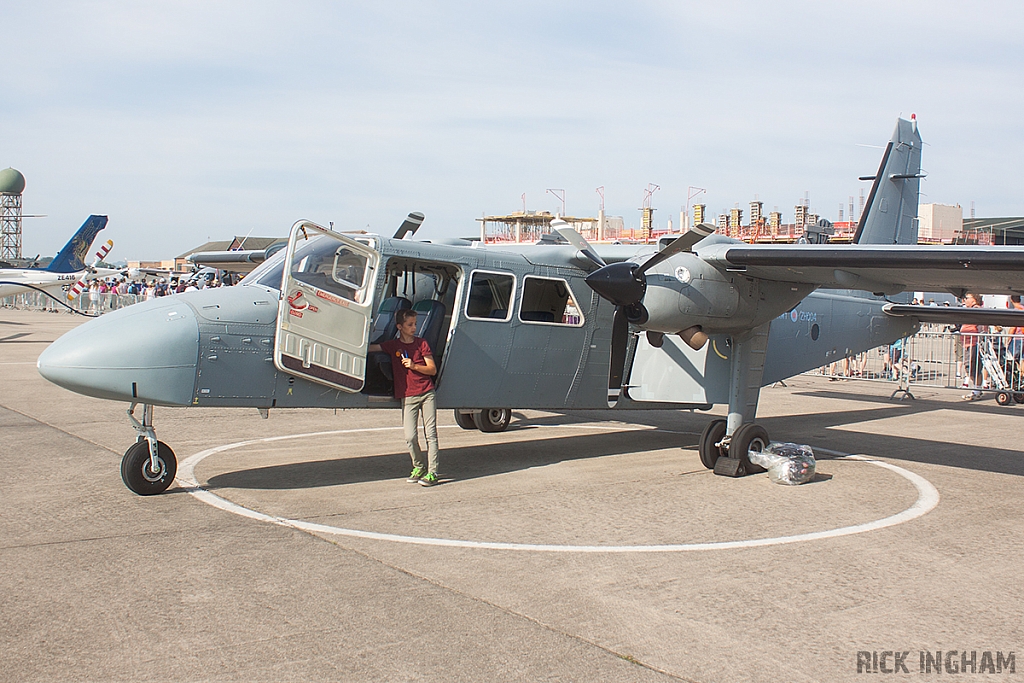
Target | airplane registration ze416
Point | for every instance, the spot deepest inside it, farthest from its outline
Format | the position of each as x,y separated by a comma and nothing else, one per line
705,319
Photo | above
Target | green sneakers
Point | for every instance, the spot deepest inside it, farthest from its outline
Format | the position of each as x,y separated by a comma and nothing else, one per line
429,480
417,475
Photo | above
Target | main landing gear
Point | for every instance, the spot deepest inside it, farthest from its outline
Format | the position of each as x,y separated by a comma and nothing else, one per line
148,466
714,445
488,420
725,444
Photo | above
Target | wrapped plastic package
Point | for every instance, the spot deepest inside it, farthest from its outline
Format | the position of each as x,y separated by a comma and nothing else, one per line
787,463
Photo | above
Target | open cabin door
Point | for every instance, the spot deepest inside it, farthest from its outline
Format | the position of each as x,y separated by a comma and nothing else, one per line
324,313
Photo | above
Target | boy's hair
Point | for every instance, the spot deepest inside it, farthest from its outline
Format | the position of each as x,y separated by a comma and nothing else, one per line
403,315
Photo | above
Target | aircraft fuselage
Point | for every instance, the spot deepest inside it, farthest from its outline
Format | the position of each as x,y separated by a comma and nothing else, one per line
215,347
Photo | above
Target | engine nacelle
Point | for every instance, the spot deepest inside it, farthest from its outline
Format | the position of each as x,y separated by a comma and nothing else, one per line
684,291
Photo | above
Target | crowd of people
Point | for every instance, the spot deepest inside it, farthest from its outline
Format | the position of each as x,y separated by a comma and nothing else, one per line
977,357
150,289
105,294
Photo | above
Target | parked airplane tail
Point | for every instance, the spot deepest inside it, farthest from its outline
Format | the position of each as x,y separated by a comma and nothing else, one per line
890,214
71,258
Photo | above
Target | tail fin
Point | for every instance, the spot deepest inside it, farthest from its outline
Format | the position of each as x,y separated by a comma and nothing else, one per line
890,214
71,258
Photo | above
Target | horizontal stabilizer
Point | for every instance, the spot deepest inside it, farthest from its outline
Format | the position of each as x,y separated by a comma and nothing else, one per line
1009,317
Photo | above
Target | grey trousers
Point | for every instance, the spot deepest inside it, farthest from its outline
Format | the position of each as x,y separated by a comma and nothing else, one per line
412,406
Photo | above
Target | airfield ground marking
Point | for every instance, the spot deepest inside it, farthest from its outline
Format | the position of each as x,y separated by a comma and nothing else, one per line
927,499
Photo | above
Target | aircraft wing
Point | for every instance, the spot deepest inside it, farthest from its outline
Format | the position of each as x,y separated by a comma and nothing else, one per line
878,268
238,261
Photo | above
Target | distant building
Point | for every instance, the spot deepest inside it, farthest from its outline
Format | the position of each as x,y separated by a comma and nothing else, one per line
756,212
800,215
939,222
735,218
699,213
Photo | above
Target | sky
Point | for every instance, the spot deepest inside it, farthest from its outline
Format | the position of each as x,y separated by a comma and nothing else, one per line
191,121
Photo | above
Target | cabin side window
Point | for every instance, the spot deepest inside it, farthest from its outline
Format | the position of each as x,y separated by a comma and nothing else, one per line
549,300
490,296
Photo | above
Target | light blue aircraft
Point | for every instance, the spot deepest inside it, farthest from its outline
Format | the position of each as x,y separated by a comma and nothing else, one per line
705,319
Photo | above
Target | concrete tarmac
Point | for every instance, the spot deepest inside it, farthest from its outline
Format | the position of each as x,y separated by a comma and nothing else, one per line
602,563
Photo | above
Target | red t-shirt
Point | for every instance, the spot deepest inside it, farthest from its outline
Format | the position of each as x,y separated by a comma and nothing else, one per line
408,382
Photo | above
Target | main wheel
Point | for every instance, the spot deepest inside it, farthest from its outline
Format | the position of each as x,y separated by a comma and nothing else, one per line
749,437
465,420
492,419
1018,397
140,477
1003,398
712,435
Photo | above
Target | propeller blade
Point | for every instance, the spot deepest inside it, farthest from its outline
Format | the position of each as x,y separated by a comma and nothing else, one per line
410,225
576,240
684,242
620,342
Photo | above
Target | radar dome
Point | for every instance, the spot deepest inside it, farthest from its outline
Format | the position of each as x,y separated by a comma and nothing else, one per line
11,181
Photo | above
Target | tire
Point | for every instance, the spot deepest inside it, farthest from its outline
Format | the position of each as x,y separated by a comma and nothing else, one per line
712,434
465,420
1018,397
1003,398
135,470
749,436
492,419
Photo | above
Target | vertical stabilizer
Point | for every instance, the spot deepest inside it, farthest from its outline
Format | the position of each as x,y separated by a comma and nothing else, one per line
890,215
71,258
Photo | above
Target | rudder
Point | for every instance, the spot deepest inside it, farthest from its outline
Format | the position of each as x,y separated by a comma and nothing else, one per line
71,258
890,214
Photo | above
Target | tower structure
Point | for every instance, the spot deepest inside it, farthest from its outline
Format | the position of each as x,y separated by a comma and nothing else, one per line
12,184
647,212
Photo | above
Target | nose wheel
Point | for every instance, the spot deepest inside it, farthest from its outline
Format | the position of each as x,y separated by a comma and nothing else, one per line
148,466
139,473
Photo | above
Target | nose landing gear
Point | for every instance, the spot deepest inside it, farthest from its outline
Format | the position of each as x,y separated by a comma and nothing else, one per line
148,466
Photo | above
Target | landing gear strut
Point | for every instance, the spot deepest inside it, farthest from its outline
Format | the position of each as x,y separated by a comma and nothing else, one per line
148,466
725,444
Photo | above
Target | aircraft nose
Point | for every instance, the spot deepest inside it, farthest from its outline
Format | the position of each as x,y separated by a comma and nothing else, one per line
146,353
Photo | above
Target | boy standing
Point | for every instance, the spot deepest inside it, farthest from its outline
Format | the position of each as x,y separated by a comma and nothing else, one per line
413,364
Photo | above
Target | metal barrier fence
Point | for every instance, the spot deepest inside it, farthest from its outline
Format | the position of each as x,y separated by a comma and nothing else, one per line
88,302
937,357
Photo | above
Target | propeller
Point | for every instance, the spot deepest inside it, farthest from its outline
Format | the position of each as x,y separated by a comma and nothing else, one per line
624,285
576,240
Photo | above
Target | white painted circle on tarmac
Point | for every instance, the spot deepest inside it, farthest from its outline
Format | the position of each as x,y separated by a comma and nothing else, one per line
927,499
